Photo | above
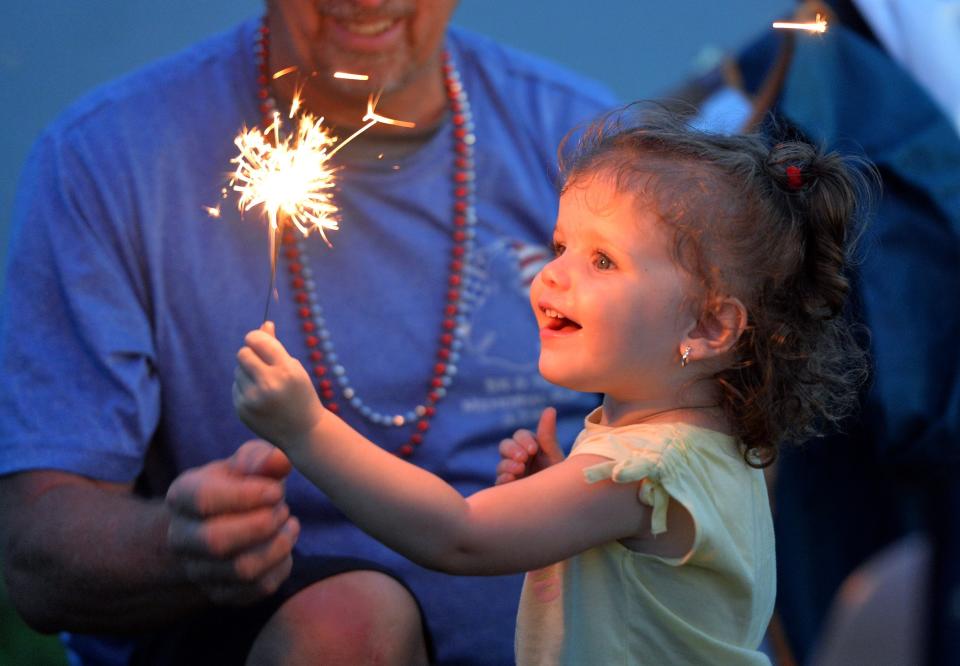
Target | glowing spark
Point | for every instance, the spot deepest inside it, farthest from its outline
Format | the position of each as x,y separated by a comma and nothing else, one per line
288,177
372,118
284,72
352,77
372,115
294,103
212,211
819,25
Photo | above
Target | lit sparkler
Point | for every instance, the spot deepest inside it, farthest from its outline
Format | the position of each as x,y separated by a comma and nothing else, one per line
290,176
818,25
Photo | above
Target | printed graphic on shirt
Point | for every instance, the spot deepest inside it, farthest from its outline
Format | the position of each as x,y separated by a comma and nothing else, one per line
497,289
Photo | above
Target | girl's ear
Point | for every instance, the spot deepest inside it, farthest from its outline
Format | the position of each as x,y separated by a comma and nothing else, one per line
717,330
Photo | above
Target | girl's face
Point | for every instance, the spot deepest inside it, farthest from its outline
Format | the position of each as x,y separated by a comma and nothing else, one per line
610,306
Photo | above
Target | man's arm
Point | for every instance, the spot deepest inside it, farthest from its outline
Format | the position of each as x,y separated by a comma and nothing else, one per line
89,556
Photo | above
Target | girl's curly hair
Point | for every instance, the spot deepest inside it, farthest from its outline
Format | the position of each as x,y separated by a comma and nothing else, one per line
770,222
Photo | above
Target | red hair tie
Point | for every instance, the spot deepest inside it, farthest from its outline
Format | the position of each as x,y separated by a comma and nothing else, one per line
794,178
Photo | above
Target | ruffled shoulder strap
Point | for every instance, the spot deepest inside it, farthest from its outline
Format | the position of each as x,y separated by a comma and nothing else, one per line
633,457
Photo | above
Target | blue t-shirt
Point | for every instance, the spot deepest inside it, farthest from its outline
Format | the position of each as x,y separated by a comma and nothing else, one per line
126,302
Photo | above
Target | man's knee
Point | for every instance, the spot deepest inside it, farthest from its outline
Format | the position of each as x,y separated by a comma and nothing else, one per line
358,617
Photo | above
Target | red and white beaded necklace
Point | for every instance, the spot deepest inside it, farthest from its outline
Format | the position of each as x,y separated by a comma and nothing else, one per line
329,375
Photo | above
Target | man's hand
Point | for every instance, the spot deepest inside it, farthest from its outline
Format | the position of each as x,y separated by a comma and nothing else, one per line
272,392
230,527
527,453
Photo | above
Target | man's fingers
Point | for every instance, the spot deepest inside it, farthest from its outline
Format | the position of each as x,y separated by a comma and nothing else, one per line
224,536
213,489
269,328
250,565
258,457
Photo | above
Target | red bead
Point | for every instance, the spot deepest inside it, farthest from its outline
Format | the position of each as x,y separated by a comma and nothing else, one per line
416,439
325,385
450,310
263,93
460,192
453,295
462,148
334,407
436,382
458,251
454,280
265,109
455,106
312,341
459,220
439,368
298,283
433,397
327,395
316,355
459,236
460,133
262,80
422,426
319,370
456,265
460,206
301,297
406,450
449,324
458,119
291,253
446,339
288,238
308,326
295,267
431,411
443,353
265,29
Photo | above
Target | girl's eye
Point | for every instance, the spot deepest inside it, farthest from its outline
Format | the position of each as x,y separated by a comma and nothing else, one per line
558,248
603,262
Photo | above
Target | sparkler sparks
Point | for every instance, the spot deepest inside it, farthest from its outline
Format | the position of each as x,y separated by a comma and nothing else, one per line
290,176
352,77
818,25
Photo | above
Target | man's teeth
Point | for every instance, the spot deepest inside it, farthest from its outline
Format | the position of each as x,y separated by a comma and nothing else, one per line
370,28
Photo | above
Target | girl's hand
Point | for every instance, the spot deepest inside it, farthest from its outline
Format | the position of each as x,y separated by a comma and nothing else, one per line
526,453
272,392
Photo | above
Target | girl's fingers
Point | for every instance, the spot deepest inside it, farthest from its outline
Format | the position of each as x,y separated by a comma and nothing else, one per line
507,466
250,367
527,440
266,347
511,450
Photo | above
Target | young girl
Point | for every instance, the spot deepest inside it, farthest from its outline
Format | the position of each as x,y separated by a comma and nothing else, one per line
698,284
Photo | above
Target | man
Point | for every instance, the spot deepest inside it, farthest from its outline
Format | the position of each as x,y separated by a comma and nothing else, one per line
130,518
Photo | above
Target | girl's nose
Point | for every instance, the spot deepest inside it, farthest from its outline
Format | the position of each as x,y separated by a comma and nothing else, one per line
554,274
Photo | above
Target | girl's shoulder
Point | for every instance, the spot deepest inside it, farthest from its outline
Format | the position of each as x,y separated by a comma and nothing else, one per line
657,444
